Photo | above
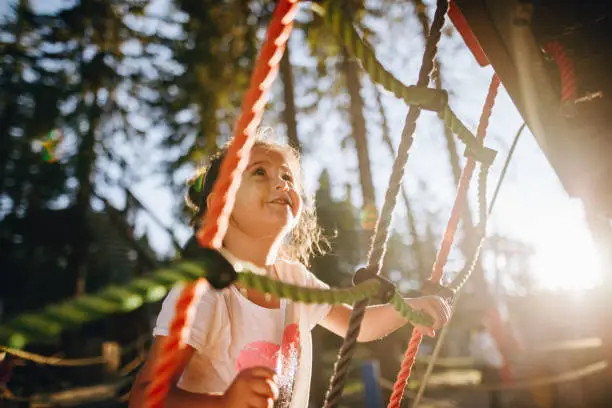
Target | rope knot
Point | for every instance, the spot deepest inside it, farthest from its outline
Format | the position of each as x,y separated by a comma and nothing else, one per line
220,272
437,99
482,154
433,288
386,289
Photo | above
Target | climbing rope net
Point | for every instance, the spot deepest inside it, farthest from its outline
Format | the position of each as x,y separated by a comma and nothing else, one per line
212,270
218,273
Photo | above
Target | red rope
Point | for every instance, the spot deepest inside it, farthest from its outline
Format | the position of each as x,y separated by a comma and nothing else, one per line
165,366
230,173
237,157
566,69
447,241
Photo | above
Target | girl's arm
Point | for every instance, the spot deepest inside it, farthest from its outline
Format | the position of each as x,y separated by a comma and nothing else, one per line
381,320
255,387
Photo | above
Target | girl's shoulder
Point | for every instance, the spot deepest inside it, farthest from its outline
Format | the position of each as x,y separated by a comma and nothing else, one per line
208,299
291,271
296,273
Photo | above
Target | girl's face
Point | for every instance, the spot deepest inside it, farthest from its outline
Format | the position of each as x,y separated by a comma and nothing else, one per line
268,202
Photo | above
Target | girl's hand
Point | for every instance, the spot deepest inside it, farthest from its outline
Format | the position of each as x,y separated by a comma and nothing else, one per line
436,308
252,388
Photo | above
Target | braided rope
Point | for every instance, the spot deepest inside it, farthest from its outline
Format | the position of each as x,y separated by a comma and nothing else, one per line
57,361
154,287
413,95
430,366
566,69
408,313
46,325
421,96
448,238
463,277
465,274
381,233
462,188
297,293
216,218
166,364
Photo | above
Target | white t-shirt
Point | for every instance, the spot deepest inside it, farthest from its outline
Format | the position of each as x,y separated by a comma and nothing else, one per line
230,333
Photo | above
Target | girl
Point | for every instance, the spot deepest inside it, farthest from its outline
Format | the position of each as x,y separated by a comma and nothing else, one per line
245,348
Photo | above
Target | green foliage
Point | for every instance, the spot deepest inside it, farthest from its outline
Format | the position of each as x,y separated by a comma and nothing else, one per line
340,224
46,325
217,55
75,71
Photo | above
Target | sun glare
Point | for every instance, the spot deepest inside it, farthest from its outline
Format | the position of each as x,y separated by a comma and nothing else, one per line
565,257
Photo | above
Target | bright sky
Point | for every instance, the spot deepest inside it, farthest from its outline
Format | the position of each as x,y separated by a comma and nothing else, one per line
532,205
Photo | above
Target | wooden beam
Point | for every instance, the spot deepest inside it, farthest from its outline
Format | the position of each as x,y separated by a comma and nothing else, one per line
503,32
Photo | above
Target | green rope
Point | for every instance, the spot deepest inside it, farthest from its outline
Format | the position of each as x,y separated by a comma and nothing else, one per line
408,313
46,325
426,98
451,121
309,295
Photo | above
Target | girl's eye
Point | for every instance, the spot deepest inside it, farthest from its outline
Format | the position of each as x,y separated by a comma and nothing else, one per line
260,171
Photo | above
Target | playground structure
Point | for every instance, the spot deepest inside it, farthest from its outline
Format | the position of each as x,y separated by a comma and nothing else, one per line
551,60
546,113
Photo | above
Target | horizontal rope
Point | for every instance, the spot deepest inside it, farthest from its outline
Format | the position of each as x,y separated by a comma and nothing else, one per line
72,362
46,325
408,313
309,295
54,361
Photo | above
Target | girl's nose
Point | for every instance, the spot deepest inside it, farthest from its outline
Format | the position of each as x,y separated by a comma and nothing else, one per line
282,184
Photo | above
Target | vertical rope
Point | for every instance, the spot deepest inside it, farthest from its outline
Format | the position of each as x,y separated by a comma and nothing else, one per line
379,244
467,271
430,366
447,241
179,330
505,168
230,173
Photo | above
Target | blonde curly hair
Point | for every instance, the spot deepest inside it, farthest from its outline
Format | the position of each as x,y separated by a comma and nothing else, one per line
306,238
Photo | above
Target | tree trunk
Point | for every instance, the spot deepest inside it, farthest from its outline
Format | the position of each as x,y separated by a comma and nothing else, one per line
8,107
353,83
84,169
289,112
8,110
